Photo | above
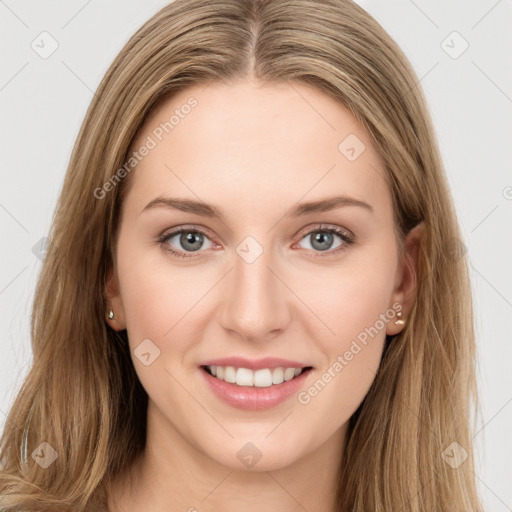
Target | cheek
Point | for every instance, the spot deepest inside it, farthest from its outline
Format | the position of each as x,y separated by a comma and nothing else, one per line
349,298
352,302
352,308
153,294
158,302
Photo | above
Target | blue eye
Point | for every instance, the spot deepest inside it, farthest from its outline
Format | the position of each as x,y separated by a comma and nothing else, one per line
192,240
322,239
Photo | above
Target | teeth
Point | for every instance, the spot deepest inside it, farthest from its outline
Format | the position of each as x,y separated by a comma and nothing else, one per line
278,376
259,378
229,374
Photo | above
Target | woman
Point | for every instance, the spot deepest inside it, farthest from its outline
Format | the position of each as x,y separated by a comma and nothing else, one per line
254,294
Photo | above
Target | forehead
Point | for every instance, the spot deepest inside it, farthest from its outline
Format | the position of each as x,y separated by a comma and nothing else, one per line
281,142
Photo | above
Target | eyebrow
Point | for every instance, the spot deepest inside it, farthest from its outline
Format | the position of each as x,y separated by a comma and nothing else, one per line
210,210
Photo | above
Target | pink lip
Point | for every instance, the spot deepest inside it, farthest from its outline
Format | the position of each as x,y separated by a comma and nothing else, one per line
254,364
254,398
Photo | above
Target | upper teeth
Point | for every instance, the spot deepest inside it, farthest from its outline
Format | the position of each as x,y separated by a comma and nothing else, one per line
259,378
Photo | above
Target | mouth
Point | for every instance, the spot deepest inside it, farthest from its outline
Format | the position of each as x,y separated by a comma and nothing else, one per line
262,378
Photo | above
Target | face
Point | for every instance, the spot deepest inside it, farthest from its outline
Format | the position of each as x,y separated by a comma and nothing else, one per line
250,264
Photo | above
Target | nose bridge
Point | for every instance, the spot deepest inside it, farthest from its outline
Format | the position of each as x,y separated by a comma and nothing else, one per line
256,301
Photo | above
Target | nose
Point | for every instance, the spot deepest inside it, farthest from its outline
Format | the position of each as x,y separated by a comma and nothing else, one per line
256,303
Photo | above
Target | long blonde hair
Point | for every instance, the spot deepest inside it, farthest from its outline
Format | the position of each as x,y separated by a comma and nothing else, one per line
82,396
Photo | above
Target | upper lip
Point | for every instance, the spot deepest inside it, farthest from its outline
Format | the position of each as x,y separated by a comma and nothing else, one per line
254,364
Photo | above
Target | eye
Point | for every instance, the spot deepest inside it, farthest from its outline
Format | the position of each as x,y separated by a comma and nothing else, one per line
190,240
321,239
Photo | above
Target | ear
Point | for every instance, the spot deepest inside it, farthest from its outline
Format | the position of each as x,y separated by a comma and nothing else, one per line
406,282
114,302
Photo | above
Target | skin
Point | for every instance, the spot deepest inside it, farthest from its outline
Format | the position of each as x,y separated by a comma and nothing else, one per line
254,151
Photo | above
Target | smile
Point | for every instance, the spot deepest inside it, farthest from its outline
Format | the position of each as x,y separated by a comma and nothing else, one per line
254,389
261,378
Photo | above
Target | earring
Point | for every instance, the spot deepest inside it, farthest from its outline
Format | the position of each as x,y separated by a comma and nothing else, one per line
111,314
399,321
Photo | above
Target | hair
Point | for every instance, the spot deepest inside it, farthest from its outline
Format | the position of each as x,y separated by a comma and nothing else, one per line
82,395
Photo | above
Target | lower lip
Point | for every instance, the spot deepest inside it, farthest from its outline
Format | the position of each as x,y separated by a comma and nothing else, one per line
251,397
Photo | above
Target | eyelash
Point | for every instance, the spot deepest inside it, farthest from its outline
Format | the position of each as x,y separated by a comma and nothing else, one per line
347,238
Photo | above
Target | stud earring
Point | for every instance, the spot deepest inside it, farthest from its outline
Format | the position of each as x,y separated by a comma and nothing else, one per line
399,321
111,314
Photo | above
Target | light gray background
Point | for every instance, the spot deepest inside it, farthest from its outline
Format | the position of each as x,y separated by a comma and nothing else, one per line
43,102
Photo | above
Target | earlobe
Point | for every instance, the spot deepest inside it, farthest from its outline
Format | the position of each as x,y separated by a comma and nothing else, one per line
405,293
114,314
